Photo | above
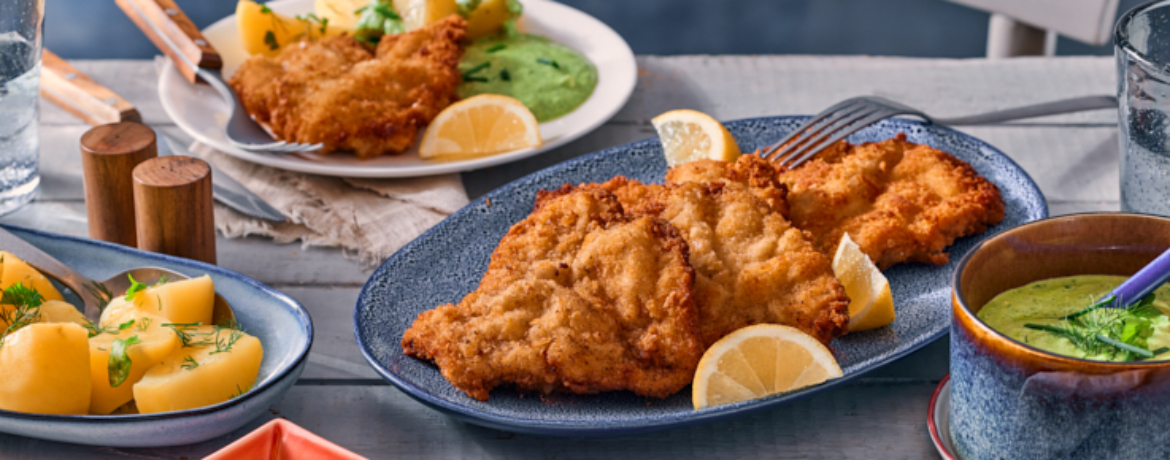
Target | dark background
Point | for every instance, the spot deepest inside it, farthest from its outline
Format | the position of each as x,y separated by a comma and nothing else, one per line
923,28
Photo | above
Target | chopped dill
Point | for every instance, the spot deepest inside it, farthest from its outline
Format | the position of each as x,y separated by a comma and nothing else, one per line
189,363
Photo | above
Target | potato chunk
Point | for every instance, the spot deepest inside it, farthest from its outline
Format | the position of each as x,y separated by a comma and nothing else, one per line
45,369
267,32
59,311
18,271
222,364
155,343
185,301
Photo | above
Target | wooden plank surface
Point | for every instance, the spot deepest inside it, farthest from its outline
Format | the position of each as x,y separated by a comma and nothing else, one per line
1073,158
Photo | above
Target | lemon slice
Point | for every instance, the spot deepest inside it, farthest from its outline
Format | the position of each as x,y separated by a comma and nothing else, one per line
340,13
760,360
688,135
871,305
480,125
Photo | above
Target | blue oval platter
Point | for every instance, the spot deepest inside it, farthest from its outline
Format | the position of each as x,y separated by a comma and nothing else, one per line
447,262
282,325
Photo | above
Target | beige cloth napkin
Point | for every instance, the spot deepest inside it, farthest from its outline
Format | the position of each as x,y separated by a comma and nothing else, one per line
369,218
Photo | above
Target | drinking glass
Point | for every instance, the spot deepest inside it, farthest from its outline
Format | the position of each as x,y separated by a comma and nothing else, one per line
20,73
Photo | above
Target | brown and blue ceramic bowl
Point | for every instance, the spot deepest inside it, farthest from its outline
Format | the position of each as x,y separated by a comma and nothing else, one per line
1010,400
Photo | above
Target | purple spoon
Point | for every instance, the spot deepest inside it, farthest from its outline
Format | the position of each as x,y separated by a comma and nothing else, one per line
1142,283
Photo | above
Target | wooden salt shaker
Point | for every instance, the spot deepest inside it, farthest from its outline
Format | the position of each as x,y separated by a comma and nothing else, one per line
172,207
109,154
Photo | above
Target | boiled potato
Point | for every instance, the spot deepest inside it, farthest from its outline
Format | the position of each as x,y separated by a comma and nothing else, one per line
17,271
341,13
263,31
185,301
487,19
46,369
156,343
58,311
418,13
201,375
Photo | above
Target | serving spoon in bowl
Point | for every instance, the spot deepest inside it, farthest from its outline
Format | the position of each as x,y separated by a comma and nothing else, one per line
95,294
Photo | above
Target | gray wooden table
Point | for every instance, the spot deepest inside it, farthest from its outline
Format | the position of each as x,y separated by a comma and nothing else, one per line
1073,158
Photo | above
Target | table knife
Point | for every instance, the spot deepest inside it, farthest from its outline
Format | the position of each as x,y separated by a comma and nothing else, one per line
78,94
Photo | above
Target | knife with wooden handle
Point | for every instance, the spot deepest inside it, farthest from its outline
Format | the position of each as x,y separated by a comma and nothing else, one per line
75,92
166,25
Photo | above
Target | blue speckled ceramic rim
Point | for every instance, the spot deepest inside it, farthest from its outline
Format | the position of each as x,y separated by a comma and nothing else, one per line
552,428
1003,337
293,306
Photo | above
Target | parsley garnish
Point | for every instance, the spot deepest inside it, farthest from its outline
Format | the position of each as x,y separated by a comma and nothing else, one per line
270,40
377,19
119,364
265,9
504,75
496,47
135,286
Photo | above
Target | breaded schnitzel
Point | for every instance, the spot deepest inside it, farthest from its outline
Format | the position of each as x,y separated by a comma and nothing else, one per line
751,266
899,201
578,297
337,92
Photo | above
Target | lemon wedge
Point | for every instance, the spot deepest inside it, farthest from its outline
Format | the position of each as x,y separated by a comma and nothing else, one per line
480,125
689,135
760,360
871,305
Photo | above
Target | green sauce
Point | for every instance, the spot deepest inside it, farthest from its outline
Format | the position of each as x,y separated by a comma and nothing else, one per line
549,78
1045,302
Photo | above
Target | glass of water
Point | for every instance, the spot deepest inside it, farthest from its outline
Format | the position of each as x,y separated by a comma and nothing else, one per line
20,74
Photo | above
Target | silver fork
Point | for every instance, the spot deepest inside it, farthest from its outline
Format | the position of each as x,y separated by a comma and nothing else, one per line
851,115
242,131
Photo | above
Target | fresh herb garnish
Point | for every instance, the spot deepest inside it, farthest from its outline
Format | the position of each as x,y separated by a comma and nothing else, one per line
504,75
548,62
241,391
467,6
126,325
144,324
224,345
310,18
516,9
135,286
265,9
1100,330
28,308
119,364
189,363
270,40
496,47
186,337
469,75
101,294
376,19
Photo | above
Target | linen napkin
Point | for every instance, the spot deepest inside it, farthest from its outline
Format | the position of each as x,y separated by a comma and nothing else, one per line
369,218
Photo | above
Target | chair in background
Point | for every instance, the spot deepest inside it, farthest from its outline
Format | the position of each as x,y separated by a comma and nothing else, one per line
1030,27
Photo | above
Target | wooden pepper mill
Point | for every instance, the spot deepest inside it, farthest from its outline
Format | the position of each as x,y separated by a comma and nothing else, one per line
172,207
109,154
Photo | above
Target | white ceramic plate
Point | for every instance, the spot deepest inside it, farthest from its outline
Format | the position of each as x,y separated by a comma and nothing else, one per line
199,110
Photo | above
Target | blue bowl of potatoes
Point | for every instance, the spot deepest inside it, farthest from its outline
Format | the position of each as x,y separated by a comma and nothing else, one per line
156,371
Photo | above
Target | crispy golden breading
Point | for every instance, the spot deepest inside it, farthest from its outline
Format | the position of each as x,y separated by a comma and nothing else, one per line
578,297
335,91
751,266
761,175
898,200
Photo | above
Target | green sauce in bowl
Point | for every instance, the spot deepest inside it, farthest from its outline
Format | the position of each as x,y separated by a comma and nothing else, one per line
1017,312
549,78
